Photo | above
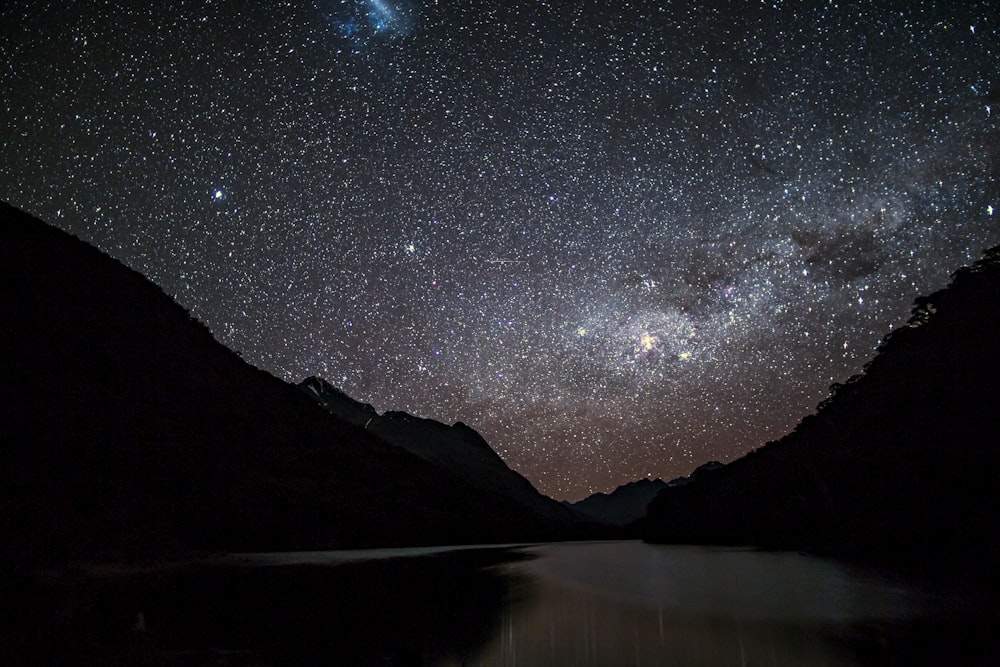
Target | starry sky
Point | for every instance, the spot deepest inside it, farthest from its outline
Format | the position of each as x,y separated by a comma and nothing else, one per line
620,239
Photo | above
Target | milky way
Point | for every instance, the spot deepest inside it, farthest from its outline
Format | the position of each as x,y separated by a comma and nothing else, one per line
619,239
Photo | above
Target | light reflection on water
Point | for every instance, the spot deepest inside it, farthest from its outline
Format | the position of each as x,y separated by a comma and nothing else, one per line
587,604
351,555
634,604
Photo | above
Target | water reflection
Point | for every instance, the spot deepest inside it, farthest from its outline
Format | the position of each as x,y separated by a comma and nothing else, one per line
635,604
591,605
736,583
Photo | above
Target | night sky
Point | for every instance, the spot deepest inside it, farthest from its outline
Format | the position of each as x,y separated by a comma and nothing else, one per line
620,239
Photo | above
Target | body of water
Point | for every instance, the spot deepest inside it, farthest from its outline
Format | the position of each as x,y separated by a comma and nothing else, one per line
603,604
629,603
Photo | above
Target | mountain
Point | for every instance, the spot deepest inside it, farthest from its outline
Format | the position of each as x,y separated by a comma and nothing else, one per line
126,428
900,462
695,474
622,506
458,448
338,403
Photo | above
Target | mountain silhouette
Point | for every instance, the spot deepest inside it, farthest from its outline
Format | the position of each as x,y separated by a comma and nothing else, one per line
899,462
622,506
457,448
126,429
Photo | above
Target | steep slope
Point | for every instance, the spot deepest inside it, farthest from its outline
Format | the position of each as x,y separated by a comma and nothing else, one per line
624,505
900,461
458,448
125,426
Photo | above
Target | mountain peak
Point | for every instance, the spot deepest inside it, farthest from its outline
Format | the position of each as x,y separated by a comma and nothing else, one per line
337,402
622,506
128,429
458,448
899,462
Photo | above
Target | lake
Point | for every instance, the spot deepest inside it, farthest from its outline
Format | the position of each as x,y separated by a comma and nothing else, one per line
588,604
635,604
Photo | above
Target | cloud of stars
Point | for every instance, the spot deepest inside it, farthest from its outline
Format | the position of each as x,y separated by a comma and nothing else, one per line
619,239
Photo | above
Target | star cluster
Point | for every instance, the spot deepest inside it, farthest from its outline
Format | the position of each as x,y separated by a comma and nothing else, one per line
619,239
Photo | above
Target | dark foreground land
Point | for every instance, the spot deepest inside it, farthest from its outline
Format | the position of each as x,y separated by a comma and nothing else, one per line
406,611
128,431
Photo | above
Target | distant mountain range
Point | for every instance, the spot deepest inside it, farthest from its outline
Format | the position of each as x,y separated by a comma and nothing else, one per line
126,428
900,462
461,450
628,503
622,506
458,448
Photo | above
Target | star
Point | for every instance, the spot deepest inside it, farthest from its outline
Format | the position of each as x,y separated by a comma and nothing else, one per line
634,222
648,342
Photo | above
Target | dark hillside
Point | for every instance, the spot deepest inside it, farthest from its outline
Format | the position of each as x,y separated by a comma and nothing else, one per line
457,448
622,506
125,427
901,461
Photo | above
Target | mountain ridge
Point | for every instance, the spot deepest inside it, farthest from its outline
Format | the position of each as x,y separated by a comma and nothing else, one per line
900,462
624,505
127,428
458,448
